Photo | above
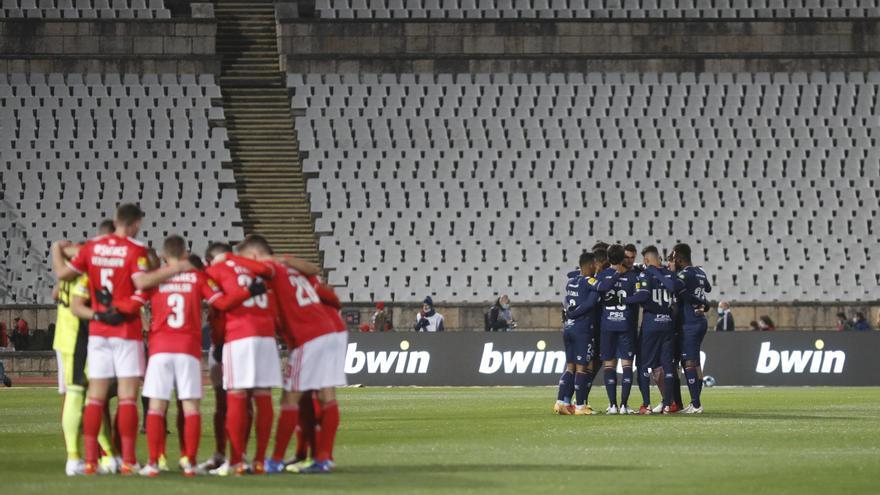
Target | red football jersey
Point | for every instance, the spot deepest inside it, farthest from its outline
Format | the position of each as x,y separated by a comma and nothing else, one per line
254,317
332,312
113,262
177,313
302,314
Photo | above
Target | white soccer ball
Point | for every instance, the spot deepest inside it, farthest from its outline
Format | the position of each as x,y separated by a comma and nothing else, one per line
709,381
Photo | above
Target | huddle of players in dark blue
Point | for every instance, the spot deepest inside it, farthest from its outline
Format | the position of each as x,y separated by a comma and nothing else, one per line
601,326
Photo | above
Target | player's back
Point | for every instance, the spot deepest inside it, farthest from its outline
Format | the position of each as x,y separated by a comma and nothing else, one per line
254,317
299,307
177,313
618,316
695,285
112,262
331,311
661,301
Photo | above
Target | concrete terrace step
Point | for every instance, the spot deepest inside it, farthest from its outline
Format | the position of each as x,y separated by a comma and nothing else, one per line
262,140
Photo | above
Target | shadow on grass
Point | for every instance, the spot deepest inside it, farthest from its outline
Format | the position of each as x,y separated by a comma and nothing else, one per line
479,468
783,417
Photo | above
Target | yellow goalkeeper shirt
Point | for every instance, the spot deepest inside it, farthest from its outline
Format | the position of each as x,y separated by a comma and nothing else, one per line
66,323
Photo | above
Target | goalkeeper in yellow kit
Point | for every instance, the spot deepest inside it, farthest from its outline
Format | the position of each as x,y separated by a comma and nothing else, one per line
70,345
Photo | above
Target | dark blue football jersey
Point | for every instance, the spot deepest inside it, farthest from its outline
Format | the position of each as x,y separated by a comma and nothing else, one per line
580,299
692,286
614,288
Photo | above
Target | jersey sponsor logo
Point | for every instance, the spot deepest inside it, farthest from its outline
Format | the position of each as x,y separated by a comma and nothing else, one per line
521,362
815,360
403,361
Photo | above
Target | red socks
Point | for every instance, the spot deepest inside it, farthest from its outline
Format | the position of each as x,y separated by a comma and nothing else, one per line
329,423
236,420
220,420
192,429
181,438
287,422
128,429
155,434
264,418
92,417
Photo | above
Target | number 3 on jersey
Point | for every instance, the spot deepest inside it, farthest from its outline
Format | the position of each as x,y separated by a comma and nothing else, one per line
177,315
261,301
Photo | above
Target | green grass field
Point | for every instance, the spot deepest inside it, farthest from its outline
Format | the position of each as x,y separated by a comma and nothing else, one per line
505,440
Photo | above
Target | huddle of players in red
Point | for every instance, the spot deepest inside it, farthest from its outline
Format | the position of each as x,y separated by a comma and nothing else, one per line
252,295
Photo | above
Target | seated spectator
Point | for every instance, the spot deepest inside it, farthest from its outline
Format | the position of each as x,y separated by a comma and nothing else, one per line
766,324
499,318
428,319
753,326
843,323
860,324
725,318
381,320
24,334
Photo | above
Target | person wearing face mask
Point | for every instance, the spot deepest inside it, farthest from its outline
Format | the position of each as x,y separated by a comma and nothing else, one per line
428,319
499,318
725,318
860,324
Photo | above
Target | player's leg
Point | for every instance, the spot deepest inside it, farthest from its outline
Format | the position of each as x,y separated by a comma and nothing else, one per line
566,381
329,424
625,352
72,401
155,431
665,360
188,383
235,374
192,433
691,356
219,416
158,385
128,362
264,418
646,358
101,372
583,374
288,421
609,368
289,417
268,376
324,370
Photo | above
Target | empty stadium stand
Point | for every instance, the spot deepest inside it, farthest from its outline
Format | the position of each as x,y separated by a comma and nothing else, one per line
595,9
84,9
76,145
469,184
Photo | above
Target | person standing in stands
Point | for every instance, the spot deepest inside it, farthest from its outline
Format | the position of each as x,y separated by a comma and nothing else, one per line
499,318
725,318
381,321
428,319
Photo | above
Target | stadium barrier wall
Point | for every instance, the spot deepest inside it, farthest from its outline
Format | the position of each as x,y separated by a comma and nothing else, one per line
564,45
176,45
532,358
541,317
537,358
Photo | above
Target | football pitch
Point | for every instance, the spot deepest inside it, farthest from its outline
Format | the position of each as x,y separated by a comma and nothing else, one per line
505,440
